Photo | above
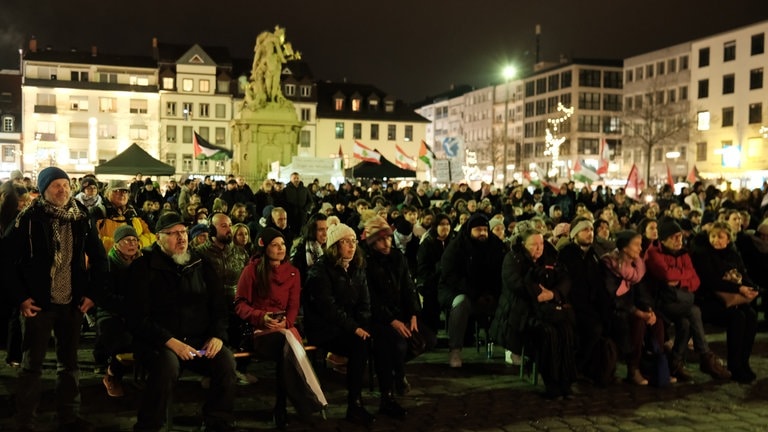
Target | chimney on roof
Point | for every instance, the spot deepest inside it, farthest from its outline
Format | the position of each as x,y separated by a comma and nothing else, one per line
94,50
155,50
33,44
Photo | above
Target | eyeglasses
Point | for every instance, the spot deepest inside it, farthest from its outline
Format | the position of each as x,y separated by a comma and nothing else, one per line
178,234
348,242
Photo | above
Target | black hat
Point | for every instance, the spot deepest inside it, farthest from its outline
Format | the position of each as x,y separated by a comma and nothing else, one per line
403,226
624,237
267,235
167,220
667,228
87,182
48,175
708,217
477,220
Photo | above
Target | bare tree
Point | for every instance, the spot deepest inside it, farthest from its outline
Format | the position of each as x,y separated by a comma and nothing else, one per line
653,118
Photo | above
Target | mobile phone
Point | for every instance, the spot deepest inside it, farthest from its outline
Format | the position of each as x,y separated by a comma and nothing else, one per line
277,316
201,353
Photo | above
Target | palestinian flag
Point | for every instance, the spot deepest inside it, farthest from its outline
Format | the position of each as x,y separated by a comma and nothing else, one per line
585,173
426,154
205,150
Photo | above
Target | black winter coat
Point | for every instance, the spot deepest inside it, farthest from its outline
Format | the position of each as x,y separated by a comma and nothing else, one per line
393,293
336,302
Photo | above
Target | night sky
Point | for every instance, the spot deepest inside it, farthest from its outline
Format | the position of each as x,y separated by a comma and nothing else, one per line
409,48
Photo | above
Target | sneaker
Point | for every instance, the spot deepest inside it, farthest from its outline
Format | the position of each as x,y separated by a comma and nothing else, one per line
511,358
113,385
712,365
637,378
390,408
454,358
358,415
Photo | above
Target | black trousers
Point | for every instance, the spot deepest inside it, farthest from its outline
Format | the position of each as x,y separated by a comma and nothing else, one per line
741,326
163,368
356,350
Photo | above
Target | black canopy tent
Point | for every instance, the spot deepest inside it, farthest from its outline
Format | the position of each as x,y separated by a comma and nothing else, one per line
379,171
135,160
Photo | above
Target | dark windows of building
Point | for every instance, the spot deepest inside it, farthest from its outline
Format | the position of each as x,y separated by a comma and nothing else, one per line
727,116
589,101
755,113
357,130
375,131
758,44
339,130
612,79
589,78
554,82
530,89
729,51
566,78
541,85
729,82
756,79
703,57
703,89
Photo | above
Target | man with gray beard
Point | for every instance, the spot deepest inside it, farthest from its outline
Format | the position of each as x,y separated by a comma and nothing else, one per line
179,314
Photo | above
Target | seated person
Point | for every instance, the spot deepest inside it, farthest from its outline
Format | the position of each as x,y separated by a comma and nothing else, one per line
179,318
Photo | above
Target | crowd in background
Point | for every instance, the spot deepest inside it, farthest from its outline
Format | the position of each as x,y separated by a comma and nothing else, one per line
575,280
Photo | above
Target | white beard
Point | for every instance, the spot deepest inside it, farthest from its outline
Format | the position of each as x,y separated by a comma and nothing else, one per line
182,258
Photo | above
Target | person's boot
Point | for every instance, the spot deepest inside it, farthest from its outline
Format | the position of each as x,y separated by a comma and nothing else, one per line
677,370
454,358
113,384
390,408
635,377
358,415
712,365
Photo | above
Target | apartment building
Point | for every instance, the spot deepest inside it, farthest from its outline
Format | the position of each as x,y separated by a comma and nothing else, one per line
81,108
729,97
10,122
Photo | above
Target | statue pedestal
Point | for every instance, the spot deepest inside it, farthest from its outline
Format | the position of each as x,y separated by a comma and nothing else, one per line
262,137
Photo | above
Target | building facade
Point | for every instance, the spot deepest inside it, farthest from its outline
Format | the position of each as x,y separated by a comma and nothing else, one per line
10,122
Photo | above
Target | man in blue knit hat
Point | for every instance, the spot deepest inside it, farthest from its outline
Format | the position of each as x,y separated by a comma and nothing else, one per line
54,287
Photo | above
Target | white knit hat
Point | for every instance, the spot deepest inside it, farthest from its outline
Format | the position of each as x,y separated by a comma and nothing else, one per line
338,231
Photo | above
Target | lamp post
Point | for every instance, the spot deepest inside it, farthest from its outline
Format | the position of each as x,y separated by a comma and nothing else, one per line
508,72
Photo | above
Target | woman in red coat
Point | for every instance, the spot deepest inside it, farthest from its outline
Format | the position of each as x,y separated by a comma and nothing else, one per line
268,298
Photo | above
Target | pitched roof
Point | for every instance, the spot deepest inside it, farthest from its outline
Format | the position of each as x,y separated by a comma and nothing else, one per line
328,92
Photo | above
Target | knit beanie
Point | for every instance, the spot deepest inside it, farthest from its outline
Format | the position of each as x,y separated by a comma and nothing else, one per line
375,228
477,220
668,228
624,237
494,223
197,229
86,182
48,175
338,231
266,236
124,231
579,226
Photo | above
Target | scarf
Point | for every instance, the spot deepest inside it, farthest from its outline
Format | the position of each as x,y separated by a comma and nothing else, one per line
314,252
63,244
89,201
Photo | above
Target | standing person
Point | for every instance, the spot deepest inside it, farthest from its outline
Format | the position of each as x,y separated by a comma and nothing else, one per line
50,281
179,316
337,312
470,282
721,270
298,203
394,305
268,298
428,268
11,203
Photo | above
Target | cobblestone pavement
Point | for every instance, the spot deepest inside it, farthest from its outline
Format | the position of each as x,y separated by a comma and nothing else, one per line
484,395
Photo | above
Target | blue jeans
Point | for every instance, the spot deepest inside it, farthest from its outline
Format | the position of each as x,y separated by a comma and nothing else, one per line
687,319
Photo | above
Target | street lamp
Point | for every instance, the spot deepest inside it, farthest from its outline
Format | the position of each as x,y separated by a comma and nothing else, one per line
508,73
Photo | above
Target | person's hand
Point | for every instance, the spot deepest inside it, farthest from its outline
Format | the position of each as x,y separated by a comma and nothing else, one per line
28,308
362,334
414,324
273,324
401,328
182,350
748,292
545,295
212,347
650,318
86,304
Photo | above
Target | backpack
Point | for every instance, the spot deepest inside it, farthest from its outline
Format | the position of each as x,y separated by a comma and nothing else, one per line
654,364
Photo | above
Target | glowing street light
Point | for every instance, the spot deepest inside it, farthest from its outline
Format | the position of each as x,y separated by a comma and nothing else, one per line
509,72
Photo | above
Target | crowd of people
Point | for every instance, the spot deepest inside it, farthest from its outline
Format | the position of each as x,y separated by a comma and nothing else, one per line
186,274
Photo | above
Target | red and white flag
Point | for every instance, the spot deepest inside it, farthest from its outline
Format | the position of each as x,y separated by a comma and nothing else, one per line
403,160
602,160
362,152
693,175
633,189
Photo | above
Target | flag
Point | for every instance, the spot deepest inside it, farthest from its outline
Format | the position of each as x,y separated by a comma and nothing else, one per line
403,160
362,152
527,176
670,180
542,182
693,176
341,153
602,160
584,172
633,188
426,154
205,150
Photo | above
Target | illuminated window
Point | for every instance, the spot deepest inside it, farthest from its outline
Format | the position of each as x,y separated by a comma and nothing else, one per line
170,133
205,86
107,105
290,89
306,91
138,106
78,103
205,110
187,84
138,80
186,162
168,83
356,103
339,104
702,120
8,123
339,130
221,135
138,132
